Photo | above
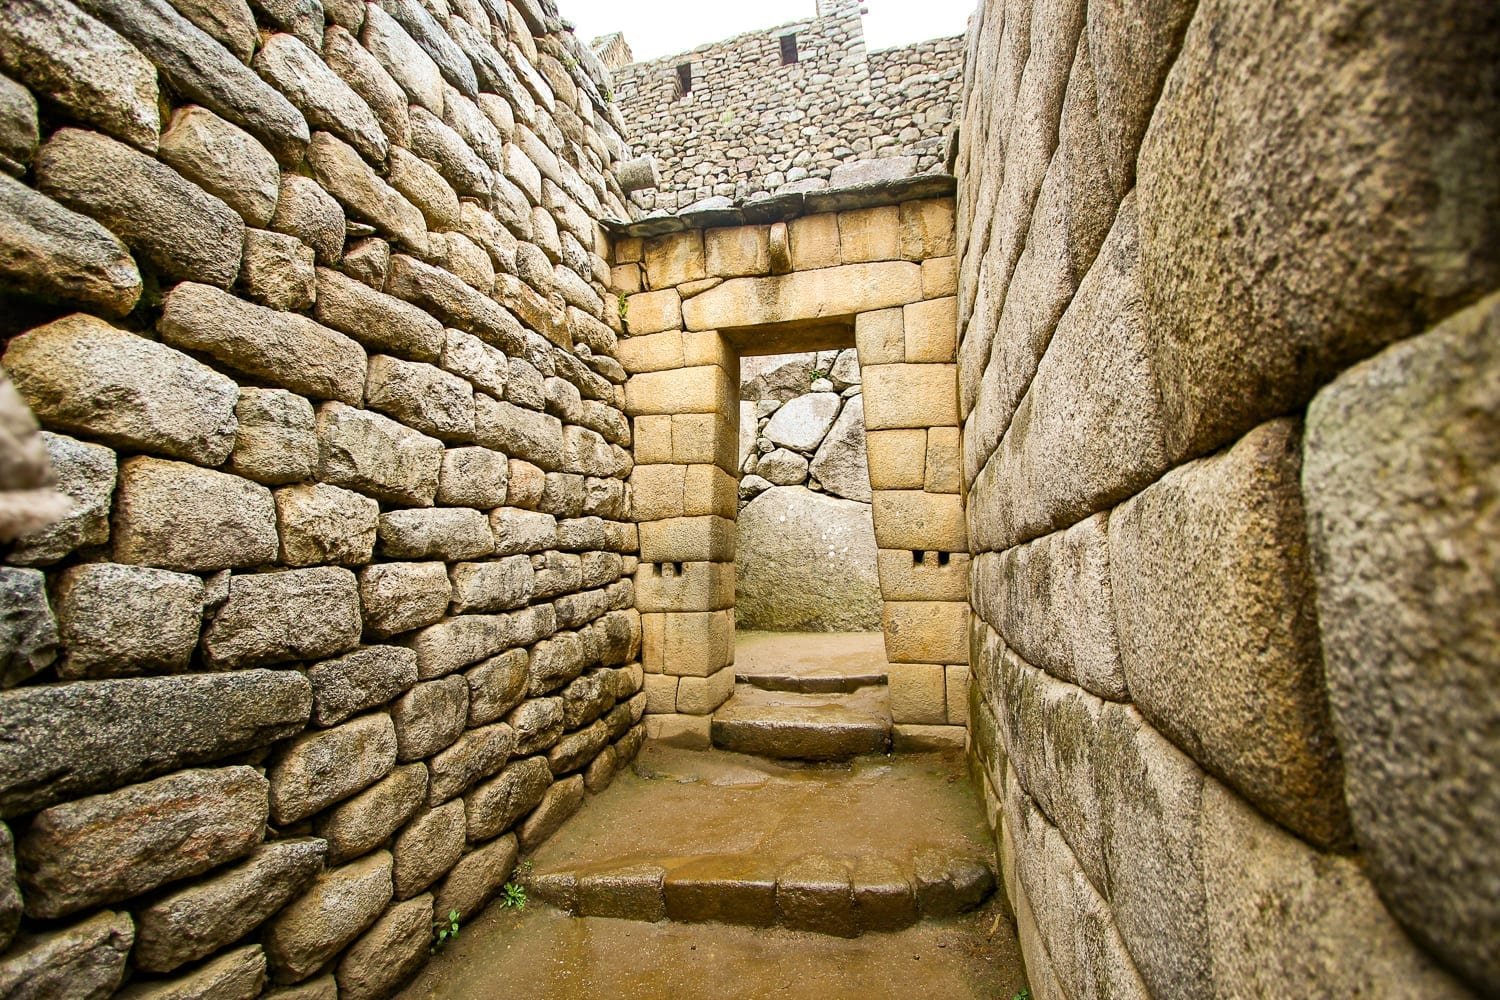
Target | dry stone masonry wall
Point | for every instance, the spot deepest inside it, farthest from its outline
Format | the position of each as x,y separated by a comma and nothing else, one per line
310,302
1228,380
750,124
693,302
805,542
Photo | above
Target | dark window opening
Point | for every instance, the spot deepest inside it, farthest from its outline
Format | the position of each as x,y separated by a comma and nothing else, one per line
684,79
788,49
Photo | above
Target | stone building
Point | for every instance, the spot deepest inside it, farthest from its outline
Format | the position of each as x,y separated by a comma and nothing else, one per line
402,452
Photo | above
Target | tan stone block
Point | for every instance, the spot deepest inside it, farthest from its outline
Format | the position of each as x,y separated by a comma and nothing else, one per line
689,732
691,288
686,586
654,352
880,337
653,642
653,312
868,234
697,644
916,520
708,489
706,347
674,259
918,693
932,330
942,475
661,694
926,632
688,539
625,279
653,439
897,459
629,250
702,695
705,389
804,295
927,739
706,439
910,396
738,251
958,695
939,576
927,229
814,241
939,277
656,491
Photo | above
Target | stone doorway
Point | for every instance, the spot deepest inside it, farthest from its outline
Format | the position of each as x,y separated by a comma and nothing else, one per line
876,277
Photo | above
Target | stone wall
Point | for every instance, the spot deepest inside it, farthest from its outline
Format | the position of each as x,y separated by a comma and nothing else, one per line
879,276
805,544
309,300
750,125
1229,386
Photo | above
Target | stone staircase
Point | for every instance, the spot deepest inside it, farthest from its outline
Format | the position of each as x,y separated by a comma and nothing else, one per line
875,844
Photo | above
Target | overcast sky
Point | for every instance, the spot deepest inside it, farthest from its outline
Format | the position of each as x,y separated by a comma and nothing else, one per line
665,27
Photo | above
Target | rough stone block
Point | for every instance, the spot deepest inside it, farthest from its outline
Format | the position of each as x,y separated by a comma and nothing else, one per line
398,597
379,321
492,807
1303,268
363,823
518,531
119,620
278,270
285,349
321,768
447,533
10,892
223,160
560,801
926,632
496,686
304,614
52,253
238,974
196,921
68,740
86,477
181,517
473,477
364,74
476,755
918,521
403,59
427,848
359,680
1209,566
28,631
277,438
373,454
388,953
178,227
113,846
80,374
325,524
363,194
421,396
451,300
295,69
499,585
908,395
306,211
430,717
476,878
1399,469
314,928
85,959
90,71
518,432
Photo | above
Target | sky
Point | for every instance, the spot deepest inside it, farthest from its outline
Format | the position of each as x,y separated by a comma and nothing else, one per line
665,27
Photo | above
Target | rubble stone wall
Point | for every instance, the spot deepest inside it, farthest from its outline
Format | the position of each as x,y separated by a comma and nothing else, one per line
310,302
1230,392
750,125
881,278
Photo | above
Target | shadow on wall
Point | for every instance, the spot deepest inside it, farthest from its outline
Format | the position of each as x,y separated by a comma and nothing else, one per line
806,542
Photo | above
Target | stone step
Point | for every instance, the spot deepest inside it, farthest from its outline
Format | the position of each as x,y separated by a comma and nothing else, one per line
711,837
832,683
810,662
798,726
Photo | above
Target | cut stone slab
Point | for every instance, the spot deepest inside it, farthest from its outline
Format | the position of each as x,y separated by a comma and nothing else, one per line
67,740
119,844
810,662
804,726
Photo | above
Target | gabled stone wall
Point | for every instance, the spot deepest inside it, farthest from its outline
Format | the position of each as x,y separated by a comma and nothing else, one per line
751,125
1229,388
310,302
